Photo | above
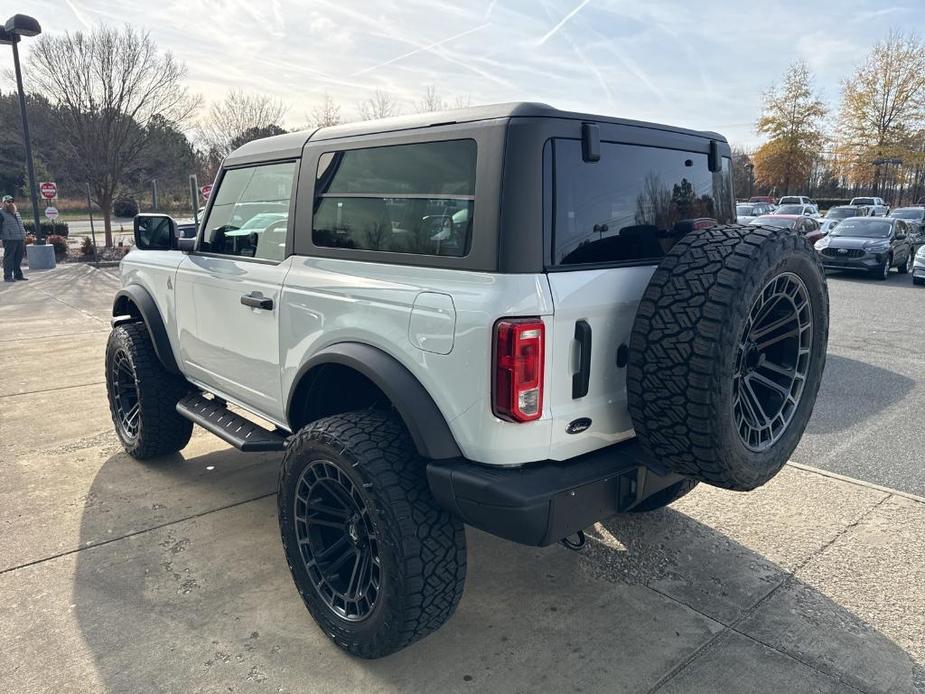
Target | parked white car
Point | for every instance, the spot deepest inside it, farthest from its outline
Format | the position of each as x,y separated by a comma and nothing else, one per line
747,211
834,215
801,209
878,208
795,200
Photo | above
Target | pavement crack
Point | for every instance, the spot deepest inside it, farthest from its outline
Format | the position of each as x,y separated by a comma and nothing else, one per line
159,526
51,390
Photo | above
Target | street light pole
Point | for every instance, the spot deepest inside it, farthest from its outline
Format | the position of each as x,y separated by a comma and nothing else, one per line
27,142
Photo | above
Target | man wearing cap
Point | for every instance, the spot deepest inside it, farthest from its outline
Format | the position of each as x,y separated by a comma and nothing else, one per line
13,235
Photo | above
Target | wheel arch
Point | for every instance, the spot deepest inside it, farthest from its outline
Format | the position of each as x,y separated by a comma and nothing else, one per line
422,418
133,304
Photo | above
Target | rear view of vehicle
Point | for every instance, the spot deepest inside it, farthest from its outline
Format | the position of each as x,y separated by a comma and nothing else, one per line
513,317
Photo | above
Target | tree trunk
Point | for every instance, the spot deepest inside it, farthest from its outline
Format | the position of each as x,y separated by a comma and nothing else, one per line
107,224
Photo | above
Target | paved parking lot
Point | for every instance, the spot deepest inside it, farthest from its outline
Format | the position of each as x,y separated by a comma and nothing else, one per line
168,576
869,420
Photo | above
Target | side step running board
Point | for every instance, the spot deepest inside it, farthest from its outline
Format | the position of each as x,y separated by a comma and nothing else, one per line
241,433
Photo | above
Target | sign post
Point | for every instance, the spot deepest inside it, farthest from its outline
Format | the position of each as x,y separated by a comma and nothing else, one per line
96,258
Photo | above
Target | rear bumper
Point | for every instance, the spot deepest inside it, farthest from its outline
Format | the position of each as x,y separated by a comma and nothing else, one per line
541,503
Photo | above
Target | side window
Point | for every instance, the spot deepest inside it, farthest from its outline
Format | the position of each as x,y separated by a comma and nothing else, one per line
633,204
415,198
250,215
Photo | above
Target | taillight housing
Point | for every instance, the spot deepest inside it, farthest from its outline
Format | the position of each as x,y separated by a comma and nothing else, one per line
517,392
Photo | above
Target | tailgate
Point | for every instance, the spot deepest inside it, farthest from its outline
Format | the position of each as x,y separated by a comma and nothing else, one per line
594,309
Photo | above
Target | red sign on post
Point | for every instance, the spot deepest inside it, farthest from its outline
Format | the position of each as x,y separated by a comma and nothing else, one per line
205,191
48,189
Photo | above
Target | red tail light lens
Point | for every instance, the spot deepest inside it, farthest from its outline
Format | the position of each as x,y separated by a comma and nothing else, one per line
518,382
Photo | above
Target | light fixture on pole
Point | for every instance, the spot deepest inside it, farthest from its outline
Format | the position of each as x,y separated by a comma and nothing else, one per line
16,27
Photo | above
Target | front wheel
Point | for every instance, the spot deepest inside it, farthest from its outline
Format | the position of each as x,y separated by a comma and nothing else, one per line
906,267
883,272
143,395
377,562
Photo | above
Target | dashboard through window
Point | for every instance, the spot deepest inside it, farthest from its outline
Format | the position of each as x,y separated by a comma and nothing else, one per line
250,214
415,198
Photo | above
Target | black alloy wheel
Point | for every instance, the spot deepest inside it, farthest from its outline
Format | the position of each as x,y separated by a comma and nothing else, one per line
125,399
772,362
337,541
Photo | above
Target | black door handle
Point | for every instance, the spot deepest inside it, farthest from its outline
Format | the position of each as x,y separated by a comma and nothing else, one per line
257,300
582,378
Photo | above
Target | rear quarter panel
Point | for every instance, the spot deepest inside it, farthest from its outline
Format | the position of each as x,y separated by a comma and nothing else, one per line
326,301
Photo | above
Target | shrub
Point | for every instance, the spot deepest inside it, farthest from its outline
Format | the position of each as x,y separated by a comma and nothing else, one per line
125,207
86,246
59,229
60,244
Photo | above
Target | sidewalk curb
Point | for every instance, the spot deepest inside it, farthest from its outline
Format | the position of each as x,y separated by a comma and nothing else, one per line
860,483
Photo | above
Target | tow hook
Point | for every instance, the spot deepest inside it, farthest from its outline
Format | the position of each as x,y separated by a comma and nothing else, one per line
576,544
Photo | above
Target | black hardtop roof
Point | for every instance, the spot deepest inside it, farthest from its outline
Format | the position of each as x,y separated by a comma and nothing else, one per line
290,145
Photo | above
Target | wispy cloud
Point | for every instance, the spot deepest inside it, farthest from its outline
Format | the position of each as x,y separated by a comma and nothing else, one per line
421,49
561,23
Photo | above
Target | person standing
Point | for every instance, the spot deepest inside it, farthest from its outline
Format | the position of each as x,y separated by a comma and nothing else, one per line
13,235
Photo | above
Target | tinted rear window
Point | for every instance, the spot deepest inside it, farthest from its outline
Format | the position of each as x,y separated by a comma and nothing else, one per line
416,198
633,204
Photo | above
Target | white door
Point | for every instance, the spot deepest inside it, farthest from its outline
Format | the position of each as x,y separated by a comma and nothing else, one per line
228,291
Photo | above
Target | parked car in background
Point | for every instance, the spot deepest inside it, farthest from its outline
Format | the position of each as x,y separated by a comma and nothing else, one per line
836,214
918,267
807,226
799,209
915,219
767,199
877,206
795,200
747,211
186,228
870,244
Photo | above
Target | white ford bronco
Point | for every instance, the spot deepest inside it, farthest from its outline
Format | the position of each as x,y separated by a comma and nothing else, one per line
512,317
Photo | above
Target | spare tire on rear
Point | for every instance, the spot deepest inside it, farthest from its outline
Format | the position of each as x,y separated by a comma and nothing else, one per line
727,352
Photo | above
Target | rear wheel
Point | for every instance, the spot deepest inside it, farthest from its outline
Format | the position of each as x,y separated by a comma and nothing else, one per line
143,395
377,562
906,267
727,352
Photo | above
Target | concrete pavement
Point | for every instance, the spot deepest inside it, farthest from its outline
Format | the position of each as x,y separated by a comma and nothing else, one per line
119,576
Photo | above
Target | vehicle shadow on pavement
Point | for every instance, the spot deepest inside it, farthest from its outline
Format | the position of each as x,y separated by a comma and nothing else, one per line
853,391
207,604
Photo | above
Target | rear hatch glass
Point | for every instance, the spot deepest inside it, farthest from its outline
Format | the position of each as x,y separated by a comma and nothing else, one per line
633,204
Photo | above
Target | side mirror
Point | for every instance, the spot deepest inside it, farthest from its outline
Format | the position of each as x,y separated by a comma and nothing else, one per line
155,232
186,245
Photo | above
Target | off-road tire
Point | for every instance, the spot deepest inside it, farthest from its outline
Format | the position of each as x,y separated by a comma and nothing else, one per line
684,346
160,430
665,497
421,547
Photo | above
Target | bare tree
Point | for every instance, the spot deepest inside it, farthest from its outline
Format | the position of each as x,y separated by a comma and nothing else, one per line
431,101
380,105
109,85
237,113
326,113
462,101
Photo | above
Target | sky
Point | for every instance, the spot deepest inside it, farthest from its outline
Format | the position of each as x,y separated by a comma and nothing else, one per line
697,63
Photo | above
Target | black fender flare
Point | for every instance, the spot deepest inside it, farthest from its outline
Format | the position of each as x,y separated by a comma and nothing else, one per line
150,316
423,419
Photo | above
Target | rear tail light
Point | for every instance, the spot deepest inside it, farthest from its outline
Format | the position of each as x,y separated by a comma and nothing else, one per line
517,394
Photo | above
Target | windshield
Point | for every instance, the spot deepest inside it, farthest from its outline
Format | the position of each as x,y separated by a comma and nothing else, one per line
790,200
863,228
790,209
914,213
862,201
843,213
743,210
774,222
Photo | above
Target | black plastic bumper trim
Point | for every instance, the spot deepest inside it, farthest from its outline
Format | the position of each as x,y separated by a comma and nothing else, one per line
540,503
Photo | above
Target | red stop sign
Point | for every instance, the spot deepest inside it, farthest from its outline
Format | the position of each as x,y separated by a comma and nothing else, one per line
205,191
48,189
